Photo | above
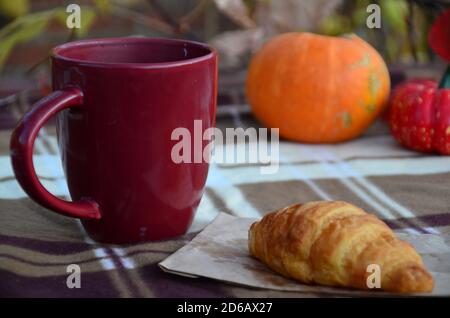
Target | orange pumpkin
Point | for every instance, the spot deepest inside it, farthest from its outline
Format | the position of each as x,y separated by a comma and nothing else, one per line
317,89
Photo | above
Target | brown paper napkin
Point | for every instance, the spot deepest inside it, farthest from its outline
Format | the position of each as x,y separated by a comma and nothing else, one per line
220,252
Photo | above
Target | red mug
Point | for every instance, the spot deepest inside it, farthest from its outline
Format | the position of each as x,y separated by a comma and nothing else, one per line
117,102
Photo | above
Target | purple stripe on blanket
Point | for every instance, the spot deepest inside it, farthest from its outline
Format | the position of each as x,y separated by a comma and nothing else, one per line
50,247
168,285
92,285
435,220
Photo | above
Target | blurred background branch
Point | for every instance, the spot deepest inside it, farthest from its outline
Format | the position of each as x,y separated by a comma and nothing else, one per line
247,22
28,29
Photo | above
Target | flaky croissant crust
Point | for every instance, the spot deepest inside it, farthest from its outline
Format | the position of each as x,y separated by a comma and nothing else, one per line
333,243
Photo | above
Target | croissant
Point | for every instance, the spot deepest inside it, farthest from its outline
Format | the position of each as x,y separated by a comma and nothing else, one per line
333,243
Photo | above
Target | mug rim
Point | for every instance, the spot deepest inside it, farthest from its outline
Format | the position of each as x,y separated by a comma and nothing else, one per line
57,52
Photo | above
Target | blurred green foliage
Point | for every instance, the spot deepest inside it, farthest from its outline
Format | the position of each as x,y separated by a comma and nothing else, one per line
397,40
402,37
14,8
25,25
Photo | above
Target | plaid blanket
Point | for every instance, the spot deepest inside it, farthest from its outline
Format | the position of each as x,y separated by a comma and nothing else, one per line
407,189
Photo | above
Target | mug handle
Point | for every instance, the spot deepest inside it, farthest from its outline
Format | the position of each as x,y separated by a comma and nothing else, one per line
21,146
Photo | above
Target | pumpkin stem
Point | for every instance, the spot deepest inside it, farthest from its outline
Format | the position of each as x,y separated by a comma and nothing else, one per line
445,81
